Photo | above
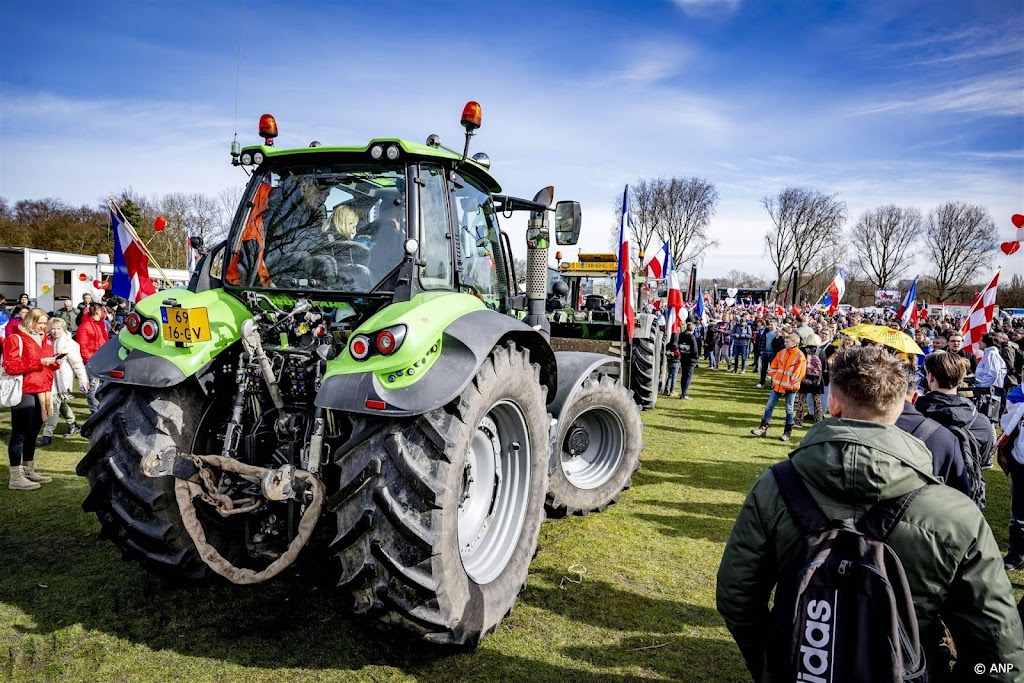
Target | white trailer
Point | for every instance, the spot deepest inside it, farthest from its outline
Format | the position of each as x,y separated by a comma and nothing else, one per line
48,275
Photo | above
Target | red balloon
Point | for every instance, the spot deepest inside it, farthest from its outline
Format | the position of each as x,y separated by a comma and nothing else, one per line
104,285
1009,247
160,223
83,277
1018,220
97,284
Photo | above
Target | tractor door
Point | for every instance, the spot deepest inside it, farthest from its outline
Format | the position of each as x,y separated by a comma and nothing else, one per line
485,269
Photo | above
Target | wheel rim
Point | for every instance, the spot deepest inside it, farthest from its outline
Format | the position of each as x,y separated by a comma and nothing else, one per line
496,485
598,462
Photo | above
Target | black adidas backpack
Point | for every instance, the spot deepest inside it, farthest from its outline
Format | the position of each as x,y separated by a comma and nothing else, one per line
843,610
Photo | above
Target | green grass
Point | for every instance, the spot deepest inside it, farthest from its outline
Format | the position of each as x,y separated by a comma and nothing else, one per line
623,596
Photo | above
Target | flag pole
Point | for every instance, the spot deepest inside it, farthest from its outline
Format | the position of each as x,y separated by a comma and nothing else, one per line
131,229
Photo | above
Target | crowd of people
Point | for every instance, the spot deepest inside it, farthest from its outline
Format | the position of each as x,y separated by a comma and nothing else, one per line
899,422
49,351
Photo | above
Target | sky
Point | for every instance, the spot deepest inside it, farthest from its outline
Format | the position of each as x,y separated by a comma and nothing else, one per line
902,101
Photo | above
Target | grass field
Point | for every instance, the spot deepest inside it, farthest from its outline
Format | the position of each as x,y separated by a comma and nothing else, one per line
623,596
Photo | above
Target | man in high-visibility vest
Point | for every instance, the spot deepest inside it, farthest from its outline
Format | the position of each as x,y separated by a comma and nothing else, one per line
786,371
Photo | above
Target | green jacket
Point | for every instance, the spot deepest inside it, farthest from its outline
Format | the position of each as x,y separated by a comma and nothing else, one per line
67,316
952,562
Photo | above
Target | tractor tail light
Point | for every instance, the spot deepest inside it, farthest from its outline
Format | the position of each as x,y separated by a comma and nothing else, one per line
133,321
390,339
150,330
360,347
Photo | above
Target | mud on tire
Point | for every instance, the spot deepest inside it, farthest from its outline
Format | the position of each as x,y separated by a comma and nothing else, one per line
609,450
139,513
409,547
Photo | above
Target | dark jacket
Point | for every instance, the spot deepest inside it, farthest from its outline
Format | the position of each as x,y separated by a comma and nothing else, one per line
947,458
741,334
952,562
950,410
687,358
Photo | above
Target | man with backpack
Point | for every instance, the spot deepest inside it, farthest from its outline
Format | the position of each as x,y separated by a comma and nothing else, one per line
870,559
944,372
947,456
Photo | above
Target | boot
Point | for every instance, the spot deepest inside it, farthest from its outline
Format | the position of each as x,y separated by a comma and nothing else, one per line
762,430
18,480
31,475
73,430
787,433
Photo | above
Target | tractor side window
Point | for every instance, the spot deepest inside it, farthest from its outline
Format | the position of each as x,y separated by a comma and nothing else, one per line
483,268
435,240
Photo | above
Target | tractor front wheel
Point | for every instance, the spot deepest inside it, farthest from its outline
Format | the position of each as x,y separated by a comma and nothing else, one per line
598,447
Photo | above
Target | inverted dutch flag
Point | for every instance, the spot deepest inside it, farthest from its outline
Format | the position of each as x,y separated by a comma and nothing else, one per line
675,300
624,281
660,265
131,263
835,292
907,315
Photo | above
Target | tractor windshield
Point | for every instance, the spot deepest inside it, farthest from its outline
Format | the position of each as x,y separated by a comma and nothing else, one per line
341,231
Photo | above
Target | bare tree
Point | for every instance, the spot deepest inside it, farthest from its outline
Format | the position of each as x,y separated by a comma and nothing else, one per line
806,234
227,203
684,210
959,239
883,241
643,217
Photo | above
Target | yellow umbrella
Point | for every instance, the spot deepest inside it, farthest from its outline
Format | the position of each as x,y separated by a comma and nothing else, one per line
894,339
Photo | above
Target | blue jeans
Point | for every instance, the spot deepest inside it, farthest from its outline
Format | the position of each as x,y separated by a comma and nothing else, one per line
773,398
739,351
684,382
670,381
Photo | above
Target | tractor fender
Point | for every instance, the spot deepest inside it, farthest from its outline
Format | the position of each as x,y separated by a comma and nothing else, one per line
646,326
133,367
466,344
573,368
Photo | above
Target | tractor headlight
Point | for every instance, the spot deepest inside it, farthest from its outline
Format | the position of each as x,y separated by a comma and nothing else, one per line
245,159
392,152
257,158
376,152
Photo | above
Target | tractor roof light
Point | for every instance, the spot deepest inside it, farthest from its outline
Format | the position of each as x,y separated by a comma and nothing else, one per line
392,152
471,116
245,159
268,129
257,158
376,152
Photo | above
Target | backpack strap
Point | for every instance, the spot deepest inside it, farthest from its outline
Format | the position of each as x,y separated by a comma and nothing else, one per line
925,429
805,510
878,522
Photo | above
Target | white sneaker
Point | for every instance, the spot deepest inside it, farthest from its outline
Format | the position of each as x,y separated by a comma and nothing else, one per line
759,386
687,398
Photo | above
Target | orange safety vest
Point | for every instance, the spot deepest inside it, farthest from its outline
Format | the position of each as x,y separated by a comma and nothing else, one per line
787,369
253,232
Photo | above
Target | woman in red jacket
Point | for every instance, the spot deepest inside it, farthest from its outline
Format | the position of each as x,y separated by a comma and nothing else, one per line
29,352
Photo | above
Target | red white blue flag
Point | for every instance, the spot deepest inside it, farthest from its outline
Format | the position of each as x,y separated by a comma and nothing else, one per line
624,281
907,315
835,292
979,318
675,299
131,263
661,264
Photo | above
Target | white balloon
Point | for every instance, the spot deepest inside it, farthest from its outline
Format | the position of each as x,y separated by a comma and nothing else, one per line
730,301
1020,235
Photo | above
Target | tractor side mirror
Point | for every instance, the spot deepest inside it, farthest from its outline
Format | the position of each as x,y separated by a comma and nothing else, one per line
568,220
196,243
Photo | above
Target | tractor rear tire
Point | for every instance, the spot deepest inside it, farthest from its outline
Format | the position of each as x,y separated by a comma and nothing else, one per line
438,516
137,512
645,370
601,468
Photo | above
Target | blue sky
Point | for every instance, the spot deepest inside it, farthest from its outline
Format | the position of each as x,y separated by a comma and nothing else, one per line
905,102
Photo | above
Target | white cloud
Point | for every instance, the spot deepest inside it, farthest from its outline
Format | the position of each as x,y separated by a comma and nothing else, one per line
707,7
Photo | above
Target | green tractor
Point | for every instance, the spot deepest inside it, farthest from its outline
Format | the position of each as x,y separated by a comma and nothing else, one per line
581,313
346,387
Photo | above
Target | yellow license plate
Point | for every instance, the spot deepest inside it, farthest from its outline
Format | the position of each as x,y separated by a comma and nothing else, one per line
185,325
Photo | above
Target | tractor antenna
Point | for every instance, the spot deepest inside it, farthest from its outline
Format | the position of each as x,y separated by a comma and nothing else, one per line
235,147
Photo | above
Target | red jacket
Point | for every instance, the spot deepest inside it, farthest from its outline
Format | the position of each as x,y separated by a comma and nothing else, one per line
91,335
26,359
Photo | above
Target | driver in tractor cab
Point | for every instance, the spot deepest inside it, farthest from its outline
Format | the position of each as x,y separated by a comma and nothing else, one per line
385,237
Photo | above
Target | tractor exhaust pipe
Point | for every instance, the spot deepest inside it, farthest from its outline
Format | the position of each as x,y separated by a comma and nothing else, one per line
537,239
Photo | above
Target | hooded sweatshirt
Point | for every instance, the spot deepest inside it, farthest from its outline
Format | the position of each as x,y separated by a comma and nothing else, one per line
951,410
953,565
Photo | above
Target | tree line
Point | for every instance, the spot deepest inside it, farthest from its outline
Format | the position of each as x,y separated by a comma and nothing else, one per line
807,235
58,226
